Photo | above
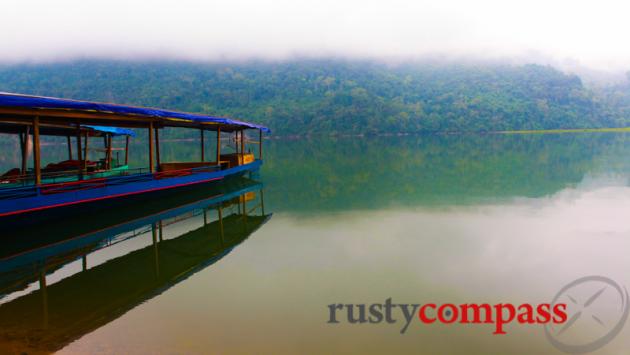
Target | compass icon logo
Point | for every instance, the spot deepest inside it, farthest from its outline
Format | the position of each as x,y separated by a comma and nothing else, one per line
597,309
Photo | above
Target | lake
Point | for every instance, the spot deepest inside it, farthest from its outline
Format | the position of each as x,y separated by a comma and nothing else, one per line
252,267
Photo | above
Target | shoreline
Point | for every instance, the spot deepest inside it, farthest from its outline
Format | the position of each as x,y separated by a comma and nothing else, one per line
399,134
566,130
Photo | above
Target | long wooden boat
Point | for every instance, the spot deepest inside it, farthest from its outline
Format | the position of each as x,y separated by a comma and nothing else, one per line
37,195
43,313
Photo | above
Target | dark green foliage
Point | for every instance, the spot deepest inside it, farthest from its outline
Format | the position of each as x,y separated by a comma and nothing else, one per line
332,96
616,98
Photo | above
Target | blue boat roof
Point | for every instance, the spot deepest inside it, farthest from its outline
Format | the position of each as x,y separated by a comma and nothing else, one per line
42,102
116,131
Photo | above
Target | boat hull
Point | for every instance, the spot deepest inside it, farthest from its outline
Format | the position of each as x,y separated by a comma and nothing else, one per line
36,205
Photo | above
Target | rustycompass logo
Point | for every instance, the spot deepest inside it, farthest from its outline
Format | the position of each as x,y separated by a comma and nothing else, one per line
583,316
499,315
597,309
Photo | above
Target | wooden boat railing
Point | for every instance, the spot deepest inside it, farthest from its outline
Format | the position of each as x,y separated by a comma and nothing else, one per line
57,177
123,177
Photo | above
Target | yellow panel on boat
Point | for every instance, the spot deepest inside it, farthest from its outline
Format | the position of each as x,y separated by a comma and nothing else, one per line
248,196
237,159
247,158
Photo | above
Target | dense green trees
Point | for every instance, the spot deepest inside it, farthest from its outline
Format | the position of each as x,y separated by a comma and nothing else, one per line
334,96
616,98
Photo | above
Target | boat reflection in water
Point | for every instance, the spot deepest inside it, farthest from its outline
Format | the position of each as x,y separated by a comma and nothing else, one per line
52,293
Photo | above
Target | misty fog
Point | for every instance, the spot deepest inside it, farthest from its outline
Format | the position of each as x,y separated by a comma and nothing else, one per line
575,36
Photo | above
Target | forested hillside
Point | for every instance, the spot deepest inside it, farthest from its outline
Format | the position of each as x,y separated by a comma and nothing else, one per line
616,98
333,96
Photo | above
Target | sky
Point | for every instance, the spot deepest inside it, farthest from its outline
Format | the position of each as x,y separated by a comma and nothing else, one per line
592,34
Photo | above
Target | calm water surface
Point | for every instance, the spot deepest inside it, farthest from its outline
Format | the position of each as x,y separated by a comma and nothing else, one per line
251,267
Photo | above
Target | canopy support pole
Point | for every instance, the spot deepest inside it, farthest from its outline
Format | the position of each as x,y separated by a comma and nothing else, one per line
79,150
220,211
85,152
157,146
105,148
244,197
109,152
44,291
36,152
262,201
22,138
25,146
203,153
156,254
260,156
219,146
242,144
127,150
69,141
151,167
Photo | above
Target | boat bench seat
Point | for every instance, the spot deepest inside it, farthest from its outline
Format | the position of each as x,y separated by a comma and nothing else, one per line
235,159
184,165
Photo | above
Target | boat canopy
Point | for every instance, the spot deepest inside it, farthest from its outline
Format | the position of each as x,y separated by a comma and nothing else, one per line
59,130
114,114
115,131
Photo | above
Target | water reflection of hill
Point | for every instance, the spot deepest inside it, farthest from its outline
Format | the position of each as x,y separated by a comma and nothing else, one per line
372,172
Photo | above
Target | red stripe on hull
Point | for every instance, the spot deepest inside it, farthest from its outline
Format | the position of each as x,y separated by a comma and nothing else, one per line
12,213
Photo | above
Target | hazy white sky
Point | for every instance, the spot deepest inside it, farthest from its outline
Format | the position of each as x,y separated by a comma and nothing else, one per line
590,33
